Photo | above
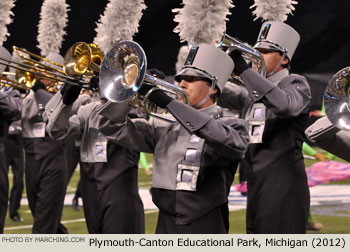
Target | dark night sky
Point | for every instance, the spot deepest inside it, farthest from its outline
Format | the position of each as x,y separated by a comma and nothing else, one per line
324,27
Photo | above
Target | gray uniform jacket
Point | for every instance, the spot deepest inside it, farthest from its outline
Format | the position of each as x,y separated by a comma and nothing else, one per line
63,123
33,125
194,160
10,110
36,139
263,102
108,161
325,135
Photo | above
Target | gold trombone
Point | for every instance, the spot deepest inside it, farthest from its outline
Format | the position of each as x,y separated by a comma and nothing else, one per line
21,52
81,61
24,81
6,82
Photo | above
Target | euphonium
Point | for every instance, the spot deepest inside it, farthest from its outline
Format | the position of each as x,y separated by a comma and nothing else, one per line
337,99
123,72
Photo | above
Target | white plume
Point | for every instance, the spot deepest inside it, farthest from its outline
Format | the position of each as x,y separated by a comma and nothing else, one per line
273,10
181,57
120,21
5,18
202,21
53,20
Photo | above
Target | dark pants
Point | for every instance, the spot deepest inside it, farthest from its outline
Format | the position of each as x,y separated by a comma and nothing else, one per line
242,173
46,183
117,208
215,222
15,159
278,199
72,160
78,191
72,156
4,190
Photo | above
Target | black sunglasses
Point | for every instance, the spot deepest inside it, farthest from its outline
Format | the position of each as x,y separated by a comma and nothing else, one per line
189,78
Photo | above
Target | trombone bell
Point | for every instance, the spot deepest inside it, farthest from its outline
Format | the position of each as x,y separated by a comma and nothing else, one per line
82,59
77,60
26,78
96,54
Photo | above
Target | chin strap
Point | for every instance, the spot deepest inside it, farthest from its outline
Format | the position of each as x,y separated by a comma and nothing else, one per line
278,65
204,100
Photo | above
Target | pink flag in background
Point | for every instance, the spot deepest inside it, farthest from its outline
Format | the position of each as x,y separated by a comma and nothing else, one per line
242,187
324,172
318,173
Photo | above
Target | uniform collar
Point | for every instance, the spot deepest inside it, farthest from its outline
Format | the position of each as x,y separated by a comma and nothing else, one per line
277,77
211,110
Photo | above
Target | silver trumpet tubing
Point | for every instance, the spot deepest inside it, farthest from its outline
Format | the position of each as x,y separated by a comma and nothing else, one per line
229,44
123,72
336,99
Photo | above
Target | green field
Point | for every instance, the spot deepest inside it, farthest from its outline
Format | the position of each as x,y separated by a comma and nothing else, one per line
74,220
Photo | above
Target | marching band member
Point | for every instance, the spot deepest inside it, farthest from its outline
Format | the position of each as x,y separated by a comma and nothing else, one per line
15,158
108,171
14,150
276,109
195,159
45,170
10,110
72,145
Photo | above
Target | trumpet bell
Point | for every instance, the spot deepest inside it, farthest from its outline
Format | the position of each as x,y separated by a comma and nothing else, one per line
336,99
122,71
